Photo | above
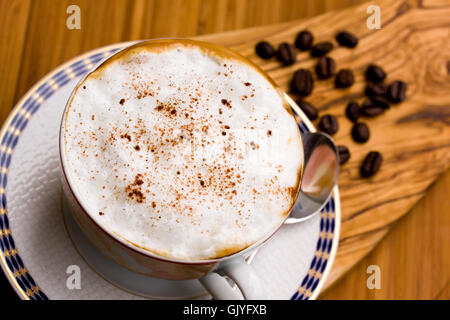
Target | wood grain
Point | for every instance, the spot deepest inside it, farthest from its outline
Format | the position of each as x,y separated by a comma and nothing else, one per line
410,268
14,17
412,45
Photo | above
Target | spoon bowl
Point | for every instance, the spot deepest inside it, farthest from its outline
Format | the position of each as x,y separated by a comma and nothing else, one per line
320,174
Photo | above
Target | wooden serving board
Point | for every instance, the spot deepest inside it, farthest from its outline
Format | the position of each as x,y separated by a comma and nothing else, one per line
413,45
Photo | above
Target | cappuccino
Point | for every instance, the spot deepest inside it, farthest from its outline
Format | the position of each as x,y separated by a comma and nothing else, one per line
183,149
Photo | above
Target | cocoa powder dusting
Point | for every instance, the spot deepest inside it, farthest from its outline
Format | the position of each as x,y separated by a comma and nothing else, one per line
125,136
227,103
181,124
134,190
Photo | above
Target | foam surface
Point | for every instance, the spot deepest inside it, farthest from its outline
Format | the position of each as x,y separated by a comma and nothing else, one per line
188,155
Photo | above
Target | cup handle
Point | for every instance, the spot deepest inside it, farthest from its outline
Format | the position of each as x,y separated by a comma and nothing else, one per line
242,274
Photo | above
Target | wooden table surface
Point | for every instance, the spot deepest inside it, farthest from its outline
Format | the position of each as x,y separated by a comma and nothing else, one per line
34,39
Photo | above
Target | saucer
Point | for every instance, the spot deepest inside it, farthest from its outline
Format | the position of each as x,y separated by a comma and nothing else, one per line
40,247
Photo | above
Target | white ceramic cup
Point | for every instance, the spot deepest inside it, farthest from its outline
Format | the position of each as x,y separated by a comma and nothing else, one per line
210,272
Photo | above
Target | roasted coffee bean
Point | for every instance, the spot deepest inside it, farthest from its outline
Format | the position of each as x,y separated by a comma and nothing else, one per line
304,40
371,164
265,50
346,39
322,48
302,83
369,109
310,111
344,154
375,89
374,73
360,132
328,124
286,54
344,78
325,68
397,91
380,102
352,111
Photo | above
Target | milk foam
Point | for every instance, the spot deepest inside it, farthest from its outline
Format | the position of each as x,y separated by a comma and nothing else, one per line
183,153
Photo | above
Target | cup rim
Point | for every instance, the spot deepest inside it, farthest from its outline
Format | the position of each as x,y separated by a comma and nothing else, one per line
120,240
